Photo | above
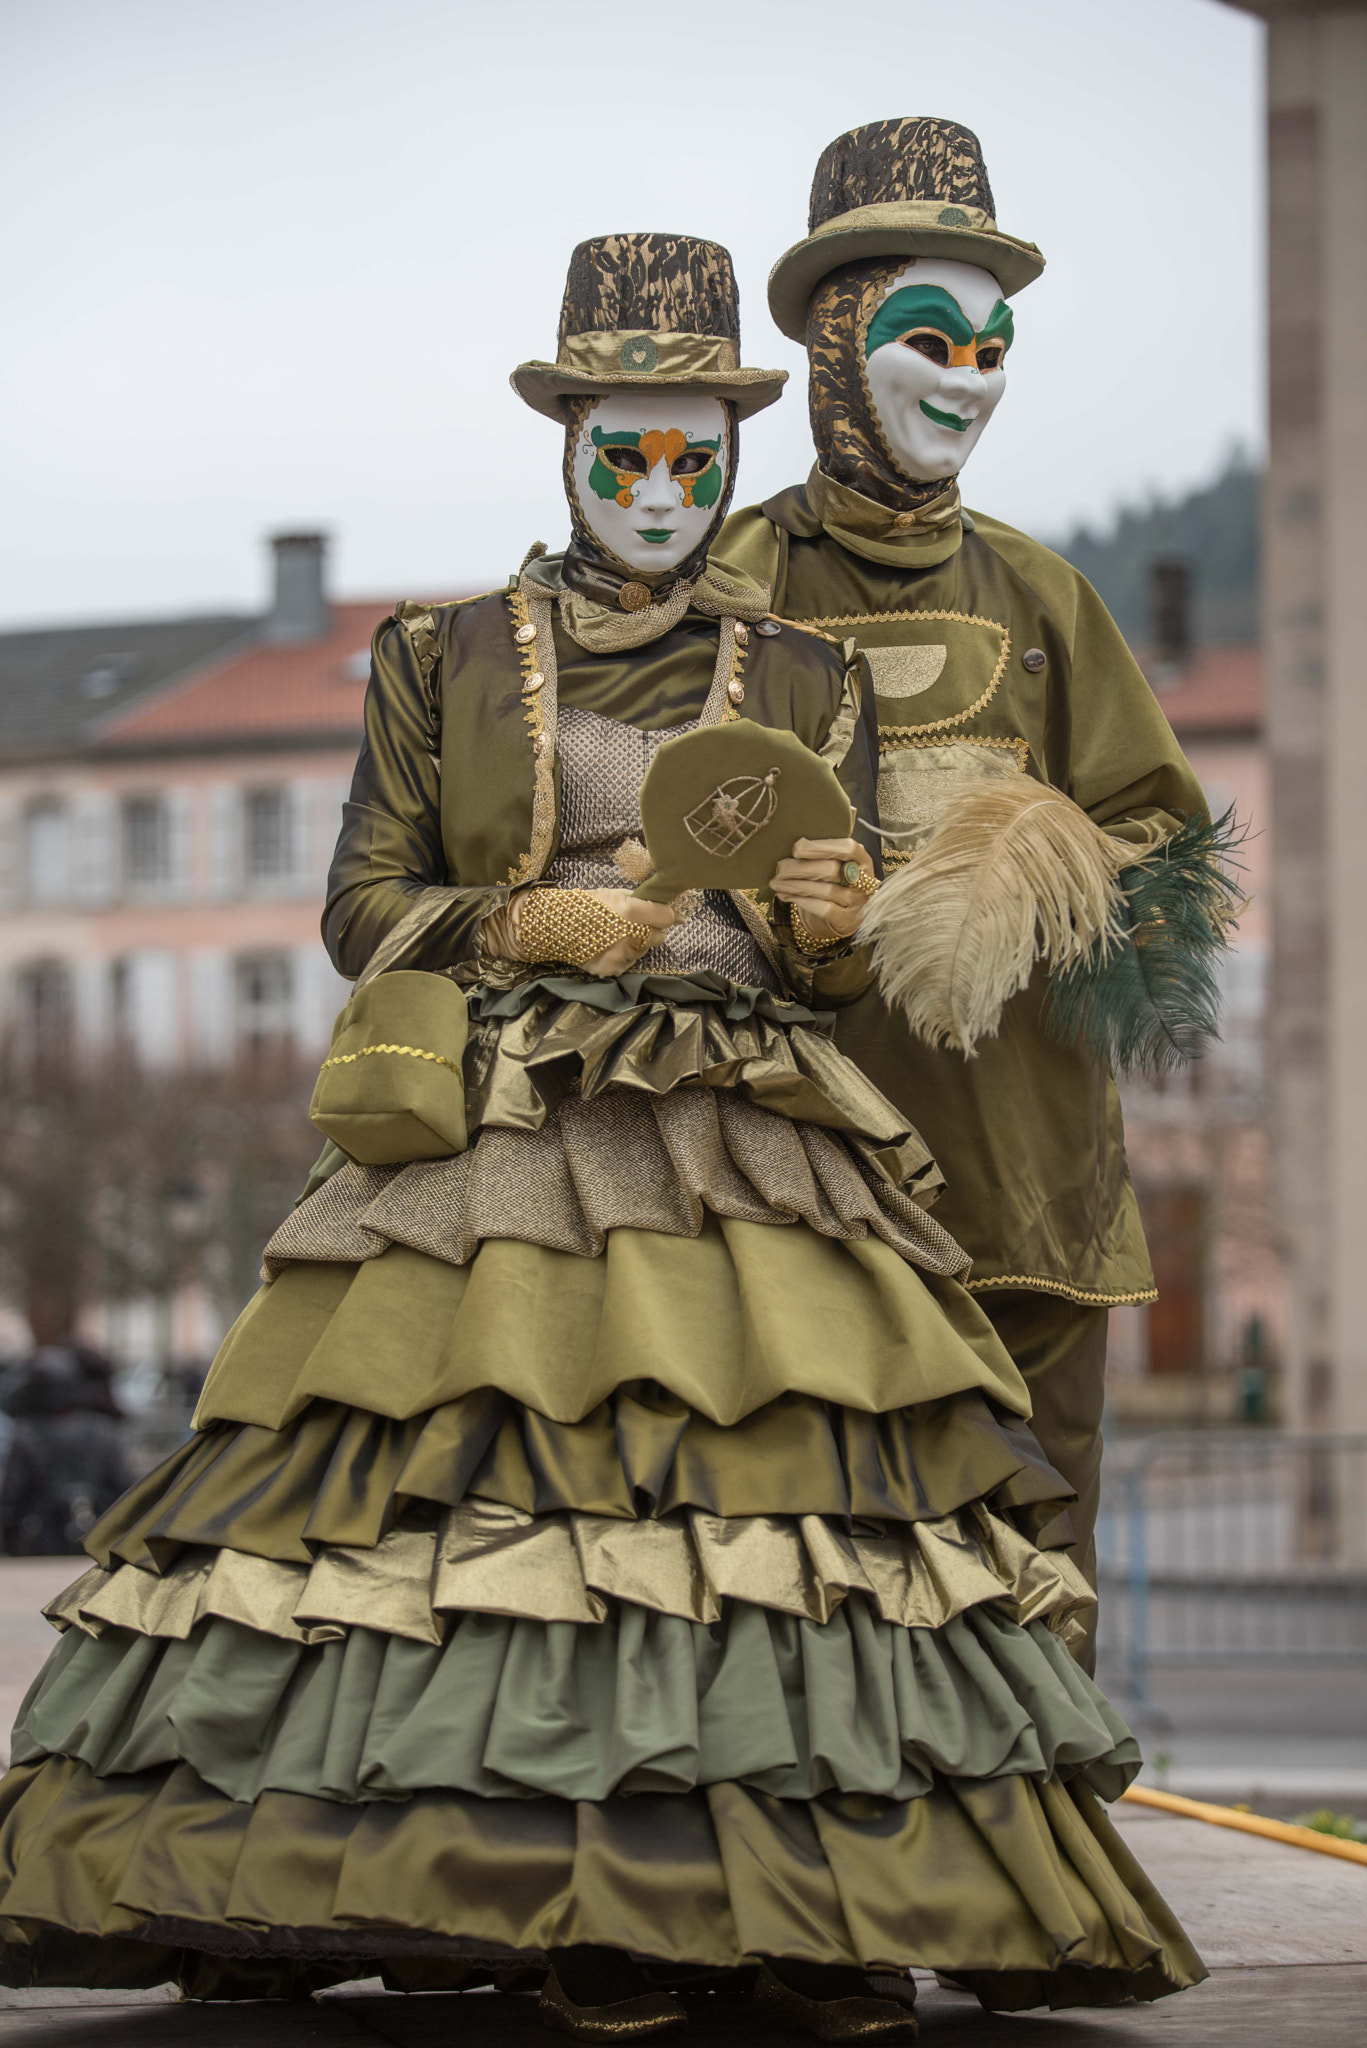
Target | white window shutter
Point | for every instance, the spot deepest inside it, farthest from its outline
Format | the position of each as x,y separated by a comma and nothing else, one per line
94,847
180,846
212,1012
154,1007
300,815
226,835
319,993
11,858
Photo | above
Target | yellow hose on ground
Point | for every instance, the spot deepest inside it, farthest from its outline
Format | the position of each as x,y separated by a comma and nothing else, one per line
1248,1823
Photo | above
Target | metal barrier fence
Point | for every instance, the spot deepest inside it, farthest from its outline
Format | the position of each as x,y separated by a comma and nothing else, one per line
1228,1545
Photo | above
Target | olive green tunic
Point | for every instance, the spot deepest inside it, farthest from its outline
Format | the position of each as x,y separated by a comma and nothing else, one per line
990,655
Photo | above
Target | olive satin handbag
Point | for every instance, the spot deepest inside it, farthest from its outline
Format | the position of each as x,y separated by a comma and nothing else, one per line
392,1088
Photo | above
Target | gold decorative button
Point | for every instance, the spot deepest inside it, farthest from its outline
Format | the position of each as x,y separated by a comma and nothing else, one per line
525,635
736,692
633,597
533,682
768,627
904,520
1034,659
742,633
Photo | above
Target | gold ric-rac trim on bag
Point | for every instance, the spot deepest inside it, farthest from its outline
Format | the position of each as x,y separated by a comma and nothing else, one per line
413,1052
1086,1297
537,657
897,739
954,619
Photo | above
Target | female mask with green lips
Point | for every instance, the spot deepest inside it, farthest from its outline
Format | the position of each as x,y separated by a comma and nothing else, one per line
649,470
934,356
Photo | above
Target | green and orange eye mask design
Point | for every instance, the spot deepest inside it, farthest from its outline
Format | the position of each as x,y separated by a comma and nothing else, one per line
622,460
926,318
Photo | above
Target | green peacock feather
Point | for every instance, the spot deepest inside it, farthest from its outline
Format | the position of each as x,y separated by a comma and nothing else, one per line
1152,1001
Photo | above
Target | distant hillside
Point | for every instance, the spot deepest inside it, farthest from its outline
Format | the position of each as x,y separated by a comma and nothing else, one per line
1214,529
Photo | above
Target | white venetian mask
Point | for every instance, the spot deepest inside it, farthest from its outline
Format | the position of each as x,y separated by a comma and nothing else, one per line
934,356
649,469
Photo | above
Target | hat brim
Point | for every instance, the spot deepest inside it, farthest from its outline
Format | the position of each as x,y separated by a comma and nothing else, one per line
800,270
543,385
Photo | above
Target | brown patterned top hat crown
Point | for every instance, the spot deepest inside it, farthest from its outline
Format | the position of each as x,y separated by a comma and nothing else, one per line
648,309
914,187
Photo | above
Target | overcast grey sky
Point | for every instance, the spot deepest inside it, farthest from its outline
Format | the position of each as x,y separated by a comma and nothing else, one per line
269,263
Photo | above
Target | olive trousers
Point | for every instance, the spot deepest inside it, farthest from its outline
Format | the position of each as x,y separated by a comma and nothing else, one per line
1060,1348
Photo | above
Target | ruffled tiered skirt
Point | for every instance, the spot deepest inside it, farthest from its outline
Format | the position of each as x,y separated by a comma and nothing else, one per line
624,1533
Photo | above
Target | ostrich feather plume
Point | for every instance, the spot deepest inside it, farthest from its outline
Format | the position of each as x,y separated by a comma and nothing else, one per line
1016,873
1153,1002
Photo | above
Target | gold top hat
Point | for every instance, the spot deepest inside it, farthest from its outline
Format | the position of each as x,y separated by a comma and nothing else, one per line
915,187
643,310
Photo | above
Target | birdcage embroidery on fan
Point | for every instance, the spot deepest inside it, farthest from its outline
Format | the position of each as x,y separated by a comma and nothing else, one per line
730,817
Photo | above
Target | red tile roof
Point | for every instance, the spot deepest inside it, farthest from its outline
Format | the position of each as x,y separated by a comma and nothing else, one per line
1220,690
263,693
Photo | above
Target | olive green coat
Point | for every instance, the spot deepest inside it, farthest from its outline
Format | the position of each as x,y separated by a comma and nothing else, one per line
990,655
458,786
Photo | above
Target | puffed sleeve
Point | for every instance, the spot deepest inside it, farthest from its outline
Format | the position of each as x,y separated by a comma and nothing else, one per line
390,847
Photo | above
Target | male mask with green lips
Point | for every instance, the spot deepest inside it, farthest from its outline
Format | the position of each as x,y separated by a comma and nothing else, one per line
934,356
649,470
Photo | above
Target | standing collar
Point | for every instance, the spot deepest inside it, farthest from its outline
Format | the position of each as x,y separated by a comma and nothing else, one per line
912,540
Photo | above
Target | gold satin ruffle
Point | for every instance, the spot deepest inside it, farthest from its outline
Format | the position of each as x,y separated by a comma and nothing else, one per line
620,1160
343,1475
487,1558
1030,1884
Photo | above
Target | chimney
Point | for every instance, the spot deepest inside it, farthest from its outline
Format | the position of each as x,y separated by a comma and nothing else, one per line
1169,615
300,609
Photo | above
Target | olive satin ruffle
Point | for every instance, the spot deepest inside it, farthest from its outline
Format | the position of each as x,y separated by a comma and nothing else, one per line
726,1321
1029,1884
620,1161
556,1036
642,1703
342,1475
489,1559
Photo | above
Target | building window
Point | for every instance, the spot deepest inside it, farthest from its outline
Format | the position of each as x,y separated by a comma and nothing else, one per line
45,1010
146,842
265,1002
47,852
269,848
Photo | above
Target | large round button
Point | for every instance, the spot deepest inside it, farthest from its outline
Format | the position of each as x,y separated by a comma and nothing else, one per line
742,633
736,692
525,635
768,627
633,597
533,682
1034,659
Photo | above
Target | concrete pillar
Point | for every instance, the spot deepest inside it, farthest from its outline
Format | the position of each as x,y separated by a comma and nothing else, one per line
1316,548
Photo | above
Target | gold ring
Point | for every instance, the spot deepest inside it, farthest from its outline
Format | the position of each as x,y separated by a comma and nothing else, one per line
856,877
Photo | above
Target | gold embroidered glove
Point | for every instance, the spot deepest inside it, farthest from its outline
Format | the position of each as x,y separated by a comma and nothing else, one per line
571,925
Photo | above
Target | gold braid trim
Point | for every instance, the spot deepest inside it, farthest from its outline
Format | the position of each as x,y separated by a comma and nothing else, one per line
537,658
1086,1297
954,619
570,925
413,1052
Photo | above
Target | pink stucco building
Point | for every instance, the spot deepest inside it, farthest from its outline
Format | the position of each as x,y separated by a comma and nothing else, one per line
165,836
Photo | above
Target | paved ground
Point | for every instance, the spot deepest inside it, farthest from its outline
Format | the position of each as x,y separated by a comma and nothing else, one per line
1283,1930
